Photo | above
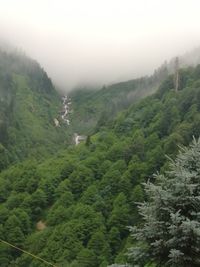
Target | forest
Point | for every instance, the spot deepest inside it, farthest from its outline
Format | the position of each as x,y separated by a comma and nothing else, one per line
28,105
77,206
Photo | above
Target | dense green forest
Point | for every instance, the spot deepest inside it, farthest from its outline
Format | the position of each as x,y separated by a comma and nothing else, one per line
73,208
92,107
28,105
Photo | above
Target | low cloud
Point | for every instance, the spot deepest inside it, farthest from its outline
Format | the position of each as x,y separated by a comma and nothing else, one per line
99,42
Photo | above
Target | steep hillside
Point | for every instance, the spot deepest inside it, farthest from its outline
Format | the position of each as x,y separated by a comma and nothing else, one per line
93,108
73,209
28,105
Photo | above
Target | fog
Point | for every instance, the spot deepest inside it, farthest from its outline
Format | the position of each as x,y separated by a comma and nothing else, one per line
100,41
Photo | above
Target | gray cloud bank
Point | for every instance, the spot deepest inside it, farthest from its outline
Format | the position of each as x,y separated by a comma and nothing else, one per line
100,42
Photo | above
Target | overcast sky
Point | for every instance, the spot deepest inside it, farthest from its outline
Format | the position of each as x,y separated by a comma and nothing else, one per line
100,40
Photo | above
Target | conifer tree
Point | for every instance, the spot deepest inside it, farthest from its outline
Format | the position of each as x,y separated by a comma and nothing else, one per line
170,235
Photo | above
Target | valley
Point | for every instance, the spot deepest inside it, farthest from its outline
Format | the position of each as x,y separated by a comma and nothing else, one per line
73,168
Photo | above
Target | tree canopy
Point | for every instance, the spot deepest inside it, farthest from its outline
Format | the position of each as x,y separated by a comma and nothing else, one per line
170,234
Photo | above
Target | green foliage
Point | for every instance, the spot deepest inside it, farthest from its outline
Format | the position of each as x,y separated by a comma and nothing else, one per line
95,108
86,258
73,208
28,105
170,235
120,206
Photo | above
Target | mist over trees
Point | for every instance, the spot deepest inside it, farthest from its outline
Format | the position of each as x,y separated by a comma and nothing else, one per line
100,164
84,197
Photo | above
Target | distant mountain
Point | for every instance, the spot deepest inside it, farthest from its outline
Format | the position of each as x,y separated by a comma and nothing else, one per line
29,104
93,108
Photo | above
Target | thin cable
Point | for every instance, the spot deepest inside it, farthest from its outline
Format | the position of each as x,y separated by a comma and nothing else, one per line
30,254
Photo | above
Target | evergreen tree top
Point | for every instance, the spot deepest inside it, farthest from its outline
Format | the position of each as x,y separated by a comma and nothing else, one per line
170,235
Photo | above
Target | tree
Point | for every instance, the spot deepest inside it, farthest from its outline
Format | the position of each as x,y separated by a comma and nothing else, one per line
5,254
80,179
114,239
86,258
24,219
88,141
120,214
14,232
99,245
3,157
170,235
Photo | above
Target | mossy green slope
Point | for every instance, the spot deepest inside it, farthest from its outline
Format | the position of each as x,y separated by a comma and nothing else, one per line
29,104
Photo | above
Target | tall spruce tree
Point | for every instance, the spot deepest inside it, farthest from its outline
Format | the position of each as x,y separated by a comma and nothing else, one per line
170,235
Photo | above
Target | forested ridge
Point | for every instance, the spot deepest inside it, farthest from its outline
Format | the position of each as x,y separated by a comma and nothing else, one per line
28,105
92,105
85,197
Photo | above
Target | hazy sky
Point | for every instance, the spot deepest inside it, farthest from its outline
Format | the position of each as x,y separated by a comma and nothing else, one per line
100,40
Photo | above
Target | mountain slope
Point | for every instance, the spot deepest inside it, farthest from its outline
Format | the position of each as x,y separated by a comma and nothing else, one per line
29,104
85,196
92,108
